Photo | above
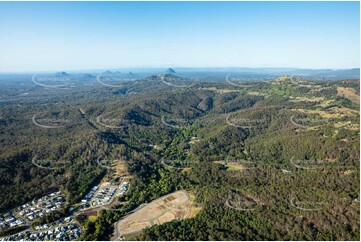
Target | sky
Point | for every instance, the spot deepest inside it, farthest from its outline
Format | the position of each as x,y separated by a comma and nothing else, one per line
42,36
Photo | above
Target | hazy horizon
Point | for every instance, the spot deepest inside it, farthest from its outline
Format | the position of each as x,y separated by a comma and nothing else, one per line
164,68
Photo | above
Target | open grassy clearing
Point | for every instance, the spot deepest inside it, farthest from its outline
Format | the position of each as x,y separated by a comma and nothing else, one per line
221,91
121,169
327,103
92,217
195,209
232,166
258,94
306,99
348,93
335,112
347,125
283,78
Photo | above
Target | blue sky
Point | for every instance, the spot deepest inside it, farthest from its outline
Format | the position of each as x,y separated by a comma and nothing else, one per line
42,36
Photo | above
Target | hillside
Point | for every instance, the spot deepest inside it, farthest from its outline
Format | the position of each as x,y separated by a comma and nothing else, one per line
269,160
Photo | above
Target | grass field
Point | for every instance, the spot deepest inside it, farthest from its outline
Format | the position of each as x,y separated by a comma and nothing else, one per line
92,217
121,169
232,166
348,93
336,112
306,99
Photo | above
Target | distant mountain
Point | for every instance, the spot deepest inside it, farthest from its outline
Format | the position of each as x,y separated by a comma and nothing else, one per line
131,74
328,73
63,73
107,73
88,75
170,71
152,78
110,73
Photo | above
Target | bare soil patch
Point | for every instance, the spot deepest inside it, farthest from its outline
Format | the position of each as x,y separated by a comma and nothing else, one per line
173,206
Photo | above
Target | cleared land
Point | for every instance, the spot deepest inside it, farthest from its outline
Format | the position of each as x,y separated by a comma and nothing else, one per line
335,112
348,93
258,94
306,99
173,206
232,166
221,91
121,170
